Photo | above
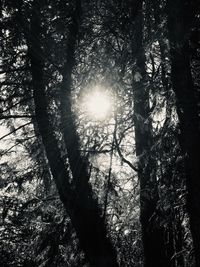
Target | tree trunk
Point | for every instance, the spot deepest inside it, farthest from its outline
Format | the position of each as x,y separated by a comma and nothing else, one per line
76,196
152,233
179,21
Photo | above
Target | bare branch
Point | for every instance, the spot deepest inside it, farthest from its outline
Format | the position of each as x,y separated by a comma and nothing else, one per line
16,116
15,130
123,158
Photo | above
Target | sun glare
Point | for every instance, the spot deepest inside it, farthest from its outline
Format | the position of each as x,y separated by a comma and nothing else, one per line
98,104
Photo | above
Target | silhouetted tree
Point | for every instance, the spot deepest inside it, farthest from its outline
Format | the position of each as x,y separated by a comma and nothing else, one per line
180,19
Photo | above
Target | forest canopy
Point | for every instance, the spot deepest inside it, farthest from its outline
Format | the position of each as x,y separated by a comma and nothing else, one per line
99,133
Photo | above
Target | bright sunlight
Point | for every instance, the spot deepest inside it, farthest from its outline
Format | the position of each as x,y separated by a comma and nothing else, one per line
98,104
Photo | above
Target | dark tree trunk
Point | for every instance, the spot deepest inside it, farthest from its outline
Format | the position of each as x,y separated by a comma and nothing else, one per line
179,21
174,235
152,233
77,195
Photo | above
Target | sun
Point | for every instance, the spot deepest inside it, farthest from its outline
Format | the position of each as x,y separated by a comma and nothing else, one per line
98,104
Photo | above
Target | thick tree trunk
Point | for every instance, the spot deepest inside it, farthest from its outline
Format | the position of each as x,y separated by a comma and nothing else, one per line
179,20
152,233
173,236
76,196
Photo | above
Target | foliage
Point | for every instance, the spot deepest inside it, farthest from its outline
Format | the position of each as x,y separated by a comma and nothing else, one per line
106,52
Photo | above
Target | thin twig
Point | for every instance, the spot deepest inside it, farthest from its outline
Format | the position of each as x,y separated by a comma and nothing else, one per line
16,116
15,130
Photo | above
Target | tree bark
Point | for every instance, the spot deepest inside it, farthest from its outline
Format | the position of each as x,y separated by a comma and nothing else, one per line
77,195
153,235
180,15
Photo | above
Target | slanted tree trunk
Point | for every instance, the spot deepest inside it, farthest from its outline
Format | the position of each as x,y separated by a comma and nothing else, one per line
77,195
152,233
179,21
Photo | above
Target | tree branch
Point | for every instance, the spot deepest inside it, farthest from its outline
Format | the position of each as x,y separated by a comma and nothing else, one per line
16,116
15,130
123,158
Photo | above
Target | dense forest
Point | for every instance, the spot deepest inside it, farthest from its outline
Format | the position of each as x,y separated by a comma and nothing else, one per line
99,133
